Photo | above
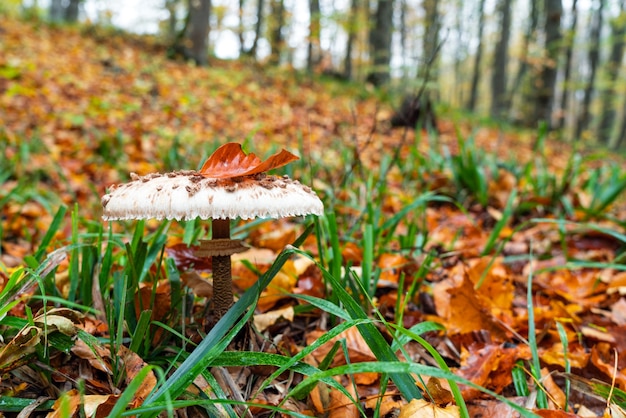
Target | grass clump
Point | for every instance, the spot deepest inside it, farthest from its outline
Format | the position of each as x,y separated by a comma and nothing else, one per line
436,254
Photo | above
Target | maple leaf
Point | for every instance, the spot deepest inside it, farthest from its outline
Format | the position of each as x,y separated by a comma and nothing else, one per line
230,161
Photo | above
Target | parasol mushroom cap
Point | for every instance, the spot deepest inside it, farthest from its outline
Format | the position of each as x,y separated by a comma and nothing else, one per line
186,195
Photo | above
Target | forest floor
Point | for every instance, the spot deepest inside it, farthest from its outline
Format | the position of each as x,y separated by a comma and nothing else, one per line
438,233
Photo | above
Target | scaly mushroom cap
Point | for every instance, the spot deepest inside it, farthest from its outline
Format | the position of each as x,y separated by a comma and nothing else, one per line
188,195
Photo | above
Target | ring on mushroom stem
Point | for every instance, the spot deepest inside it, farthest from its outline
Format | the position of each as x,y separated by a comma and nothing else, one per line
230,185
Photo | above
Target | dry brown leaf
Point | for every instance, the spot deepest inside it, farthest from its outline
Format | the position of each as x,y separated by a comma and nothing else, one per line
70,400
20,348
134,364
341,406
577,355
265,320
391,265
366,379
496,282
100,360
555,393
358,350
618,312
462,310
274,235
281,285
603,357
197,284
488,408
320,398
229,161
419,408
99,406
554,413
437,393
490,366
162,299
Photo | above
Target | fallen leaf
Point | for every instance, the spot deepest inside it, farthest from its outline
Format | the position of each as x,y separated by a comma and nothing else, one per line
158,299
229,161
419,408
197,284
341,405
265,320
66,405
463,311
133,364
358,350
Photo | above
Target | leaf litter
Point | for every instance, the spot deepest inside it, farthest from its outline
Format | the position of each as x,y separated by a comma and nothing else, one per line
82,107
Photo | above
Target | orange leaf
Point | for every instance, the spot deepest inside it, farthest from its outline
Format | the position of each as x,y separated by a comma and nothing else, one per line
229,161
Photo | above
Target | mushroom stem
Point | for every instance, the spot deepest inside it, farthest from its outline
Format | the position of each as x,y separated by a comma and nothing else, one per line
222,274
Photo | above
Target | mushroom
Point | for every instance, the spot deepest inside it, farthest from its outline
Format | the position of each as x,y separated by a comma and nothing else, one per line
230,184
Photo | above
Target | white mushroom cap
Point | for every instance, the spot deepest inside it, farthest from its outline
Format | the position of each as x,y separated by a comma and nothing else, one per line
188,195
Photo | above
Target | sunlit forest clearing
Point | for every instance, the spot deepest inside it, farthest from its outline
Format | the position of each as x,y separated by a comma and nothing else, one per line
471,268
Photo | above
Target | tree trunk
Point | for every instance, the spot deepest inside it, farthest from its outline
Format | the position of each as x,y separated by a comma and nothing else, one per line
71,11
499,105
547,79
198,31
523,67
314,51
471,105
260,5
567,75
170,6
608,113
594,56
352,31
241,29
55,12
621,136
430,41
404,33
277,21
461,24
380,43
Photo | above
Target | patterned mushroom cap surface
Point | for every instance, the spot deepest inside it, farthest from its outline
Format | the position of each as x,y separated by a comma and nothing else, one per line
186,195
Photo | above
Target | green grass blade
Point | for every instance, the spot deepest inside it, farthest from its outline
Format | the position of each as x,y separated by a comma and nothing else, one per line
52,230
219,337
402,368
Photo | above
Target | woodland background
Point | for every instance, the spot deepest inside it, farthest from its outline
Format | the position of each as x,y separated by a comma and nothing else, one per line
553,61
485,260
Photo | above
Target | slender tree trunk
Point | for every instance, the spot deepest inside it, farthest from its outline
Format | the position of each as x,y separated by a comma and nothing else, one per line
277,20
380,43
352,31
403,37
499,105
260,5
55,11
71,11
458,94
594,56
314,53
170,6
608,112
547,79
198,30
567,75
471,105
241,28
523,67
621,136
428,69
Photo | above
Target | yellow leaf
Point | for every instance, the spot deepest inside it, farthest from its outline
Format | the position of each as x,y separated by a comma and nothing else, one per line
419,408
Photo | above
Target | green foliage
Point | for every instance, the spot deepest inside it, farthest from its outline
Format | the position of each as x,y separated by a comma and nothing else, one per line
469,171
